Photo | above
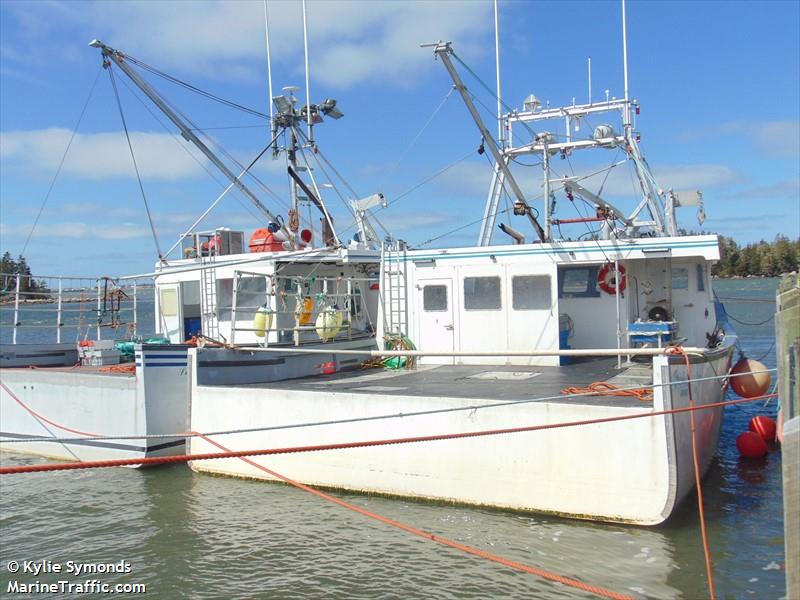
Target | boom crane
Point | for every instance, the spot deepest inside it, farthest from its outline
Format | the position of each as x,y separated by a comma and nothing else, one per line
119,59
443,51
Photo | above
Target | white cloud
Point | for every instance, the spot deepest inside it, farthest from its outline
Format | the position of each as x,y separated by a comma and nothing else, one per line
350,42
784,190
780,139
98,155
405,222
75,230
622,182
777,138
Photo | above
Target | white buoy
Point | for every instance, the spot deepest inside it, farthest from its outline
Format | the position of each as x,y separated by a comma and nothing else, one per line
329,323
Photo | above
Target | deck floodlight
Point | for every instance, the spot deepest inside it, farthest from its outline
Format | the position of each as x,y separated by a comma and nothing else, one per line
95,43
283,104
328,108
531,103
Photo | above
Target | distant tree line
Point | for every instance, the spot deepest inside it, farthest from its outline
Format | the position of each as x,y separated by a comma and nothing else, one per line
10,269
766,259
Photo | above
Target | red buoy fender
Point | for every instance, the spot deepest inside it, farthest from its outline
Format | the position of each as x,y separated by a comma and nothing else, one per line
751,445
608,281
764,426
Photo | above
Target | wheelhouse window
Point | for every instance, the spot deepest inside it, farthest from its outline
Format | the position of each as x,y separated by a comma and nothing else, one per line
701,278
482,293
578,282
530,292
680,278
169,302
434,298
251,293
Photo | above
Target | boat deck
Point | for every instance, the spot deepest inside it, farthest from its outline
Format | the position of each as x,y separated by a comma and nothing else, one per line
481,382
106,371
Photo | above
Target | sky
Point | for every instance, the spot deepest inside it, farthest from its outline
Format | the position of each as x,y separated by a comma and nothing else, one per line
718,84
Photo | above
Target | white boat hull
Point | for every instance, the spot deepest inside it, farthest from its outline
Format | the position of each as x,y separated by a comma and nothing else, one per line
634,471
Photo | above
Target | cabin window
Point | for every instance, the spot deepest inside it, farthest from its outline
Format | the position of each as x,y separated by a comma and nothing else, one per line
680,278
434,298
482,293
169,302
701,278
530,292
578,282
250,294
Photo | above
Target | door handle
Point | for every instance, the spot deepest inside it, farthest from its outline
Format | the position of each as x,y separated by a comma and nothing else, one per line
448,327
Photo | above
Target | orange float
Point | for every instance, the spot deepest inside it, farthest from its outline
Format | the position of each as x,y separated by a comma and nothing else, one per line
750,378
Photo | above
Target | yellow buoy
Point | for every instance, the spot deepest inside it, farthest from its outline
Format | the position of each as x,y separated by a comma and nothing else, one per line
328,324
262,322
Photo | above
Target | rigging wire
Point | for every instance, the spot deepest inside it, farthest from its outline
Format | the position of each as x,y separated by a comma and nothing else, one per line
135,165
61,163
178,138
414,140
452,231
211,141
491,92
431,177
195,89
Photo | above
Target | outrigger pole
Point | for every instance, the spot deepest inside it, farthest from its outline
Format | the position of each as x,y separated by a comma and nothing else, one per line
119,59
443,51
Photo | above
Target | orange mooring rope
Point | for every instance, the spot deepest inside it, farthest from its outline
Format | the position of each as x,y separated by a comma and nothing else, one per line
124,368
42,418
703,535
593,589
159,460
602,388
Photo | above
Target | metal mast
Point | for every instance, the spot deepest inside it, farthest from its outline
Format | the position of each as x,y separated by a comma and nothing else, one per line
119,59
443,51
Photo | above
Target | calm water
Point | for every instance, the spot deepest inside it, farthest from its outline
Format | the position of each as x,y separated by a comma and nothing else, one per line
196,536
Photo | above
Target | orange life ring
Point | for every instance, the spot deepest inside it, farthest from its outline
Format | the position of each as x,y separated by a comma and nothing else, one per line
607,279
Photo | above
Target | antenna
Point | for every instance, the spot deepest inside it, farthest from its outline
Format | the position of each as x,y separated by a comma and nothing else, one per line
625,64
590,80
308,90
497,67
273,126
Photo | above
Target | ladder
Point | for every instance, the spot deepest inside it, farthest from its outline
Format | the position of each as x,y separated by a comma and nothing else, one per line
208,299
394,289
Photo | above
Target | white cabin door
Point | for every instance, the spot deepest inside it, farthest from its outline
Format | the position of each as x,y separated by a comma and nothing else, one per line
435,309
170,319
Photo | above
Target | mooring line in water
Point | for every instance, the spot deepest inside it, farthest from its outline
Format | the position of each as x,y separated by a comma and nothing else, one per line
418,413
699,487
125,462
593,589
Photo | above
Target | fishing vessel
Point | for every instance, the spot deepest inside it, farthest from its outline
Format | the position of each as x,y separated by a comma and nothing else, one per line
552,375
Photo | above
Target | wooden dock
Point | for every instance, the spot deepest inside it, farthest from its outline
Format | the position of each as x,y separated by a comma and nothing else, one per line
787,330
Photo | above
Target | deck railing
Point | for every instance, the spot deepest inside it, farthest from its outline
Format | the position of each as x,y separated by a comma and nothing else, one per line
87,306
